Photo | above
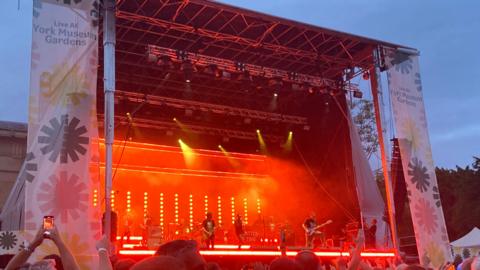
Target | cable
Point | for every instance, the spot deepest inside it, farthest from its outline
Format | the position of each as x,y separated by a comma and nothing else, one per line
310,171
130,124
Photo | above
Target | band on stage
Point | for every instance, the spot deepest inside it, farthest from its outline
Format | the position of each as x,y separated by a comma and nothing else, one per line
263,228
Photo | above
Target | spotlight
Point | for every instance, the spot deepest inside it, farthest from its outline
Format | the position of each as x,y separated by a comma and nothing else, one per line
213,70
366,75
240,66
357,94
220,146
275,94
187,68
182,55
292,76
180,141
275,83
350,73
175,119
258,130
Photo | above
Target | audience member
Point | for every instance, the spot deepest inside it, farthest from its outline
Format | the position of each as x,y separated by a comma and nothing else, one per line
124,264
67,259
159,263
184,250
284,263
308,260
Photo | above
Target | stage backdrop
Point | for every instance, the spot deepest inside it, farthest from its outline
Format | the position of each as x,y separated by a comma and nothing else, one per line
62,128
411,129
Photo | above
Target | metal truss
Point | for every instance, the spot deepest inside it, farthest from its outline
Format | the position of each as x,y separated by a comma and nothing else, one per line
193,129
223,31
208,107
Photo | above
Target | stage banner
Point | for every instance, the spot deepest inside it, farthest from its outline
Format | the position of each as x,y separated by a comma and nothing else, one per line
411,128
62,128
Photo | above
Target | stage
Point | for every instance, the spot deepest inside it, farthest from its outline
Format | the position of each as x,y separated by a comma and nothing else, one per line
249,253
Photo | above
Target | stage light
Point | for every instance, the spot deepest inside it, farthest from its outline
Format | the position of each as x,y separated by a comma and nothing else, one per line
232,201
213,70
245,210
190,212
145,204
188,69
128,201
176,208
261,142
259,209
182,126
181,55
188,153
219,205
287,146
161,212
240,66
276,83
292,76
95,197
275,94
112,200
206,204
357,94
366,75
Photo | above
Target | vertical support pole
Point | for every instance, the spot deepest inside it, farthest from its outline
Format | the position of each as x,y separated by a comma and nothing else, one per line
109,91
374,80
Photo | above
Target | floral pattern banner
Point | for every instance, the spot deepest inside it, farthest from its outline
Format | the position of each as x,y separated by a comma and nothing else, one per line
62,131
405,87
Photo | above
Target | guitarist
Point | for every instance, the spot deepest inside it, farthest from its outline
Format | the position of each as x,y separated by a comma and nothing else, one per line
311,230
208,229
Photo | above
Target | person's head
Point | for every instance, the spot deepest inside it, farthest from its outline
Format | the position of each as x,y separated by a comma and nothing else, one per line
341,264
284,263
414,267
123,264
209,215
308,260
238,216
313,215
476,263
374,221
159,263
466,264
212,266
185,250
57,259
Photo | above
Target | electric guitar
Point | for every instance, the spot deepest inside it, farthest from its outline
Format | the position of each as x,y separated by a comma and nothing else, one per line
207,234
311,231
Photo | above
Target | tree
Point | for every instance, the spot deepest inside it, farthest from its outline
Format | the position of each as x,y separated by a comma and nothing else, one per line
364,119
460,200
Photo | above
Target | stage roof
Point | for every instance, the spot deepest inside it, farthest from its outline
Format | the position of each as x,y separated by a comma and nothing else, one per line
220,30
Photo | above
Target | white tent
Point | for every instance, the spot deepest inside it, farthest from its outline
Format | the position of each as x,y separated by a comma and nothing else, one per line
471,239
468,244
